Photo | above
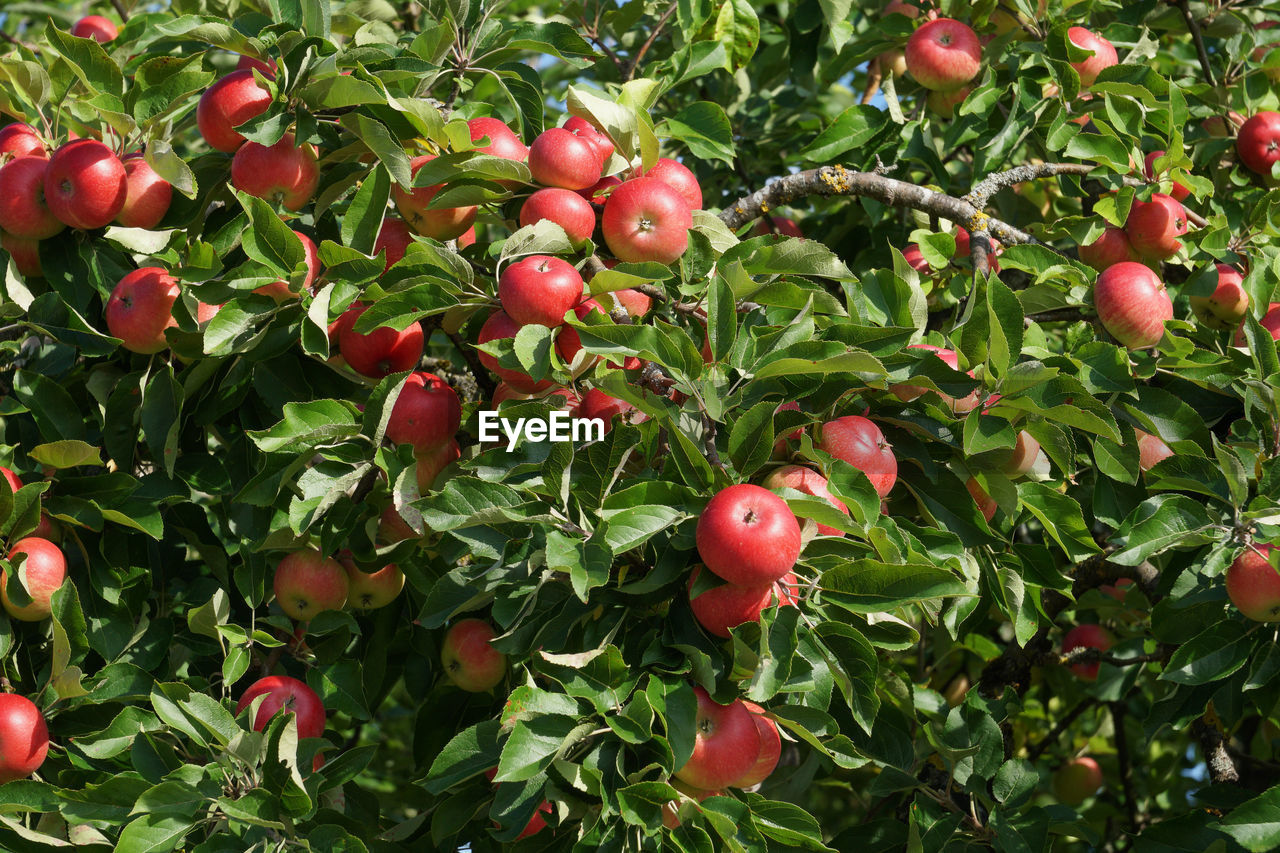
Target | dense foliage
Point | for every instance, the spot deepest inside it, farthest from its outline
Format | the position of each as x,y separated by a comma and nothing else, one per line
1071,486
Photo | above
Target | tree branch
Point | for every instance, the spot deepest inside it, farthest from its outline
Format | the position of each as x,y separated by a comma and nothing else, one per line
648,43
874,75
1222,770
1193,26
121,10
1061,726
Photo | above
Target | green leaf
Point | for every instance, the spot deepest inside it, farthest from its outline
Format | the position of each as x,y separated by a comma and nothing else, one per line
308,425
268,240
66,454
1061,517
704,128
737,27
870,586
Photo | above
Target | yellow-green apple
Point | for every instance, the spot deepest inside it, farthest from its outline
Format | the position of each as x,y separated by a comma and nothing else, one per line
1104,54
284,173
394,238
893,62
810,482
24,737
96,27
498,327
228,103
1086,637
599,406
307,583
560,158
1226,306
432,461
24,211
1111,248
279,290
1151,449
678,177
726,606
1153,227
470,660
565,208
781,226
747,535
726,744
1132,304
1006,21
426,414
383,350
986,504
943,55
147,195
503,141
1077,780
945,103
25,254
598,193
444,223
1258,142
1022,457
858,441
42,571
587,131
569,342
283,694
141,308
770,748
21,140
1179,191
1253,584
645,219
540,289
370,590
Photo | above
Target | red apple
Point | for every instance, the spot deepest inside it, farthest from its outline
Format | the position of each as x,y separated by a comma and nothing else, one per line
285,173
394,238
10,477
559,158
141,308
598,193
1258,142
634,302
770,748
24,211
1086,636
1132,304
432,461
25,254
503,392
468,238
747,535
1151,449
21,140
565,208
147,195
445,223
370,590
499,326
95,27
726,744
42,572
781,225
539,289
1270,321
287,695
569,342
587,131
228,103
986,504
280,290
205,312
1226,307
382,351
907,393
1111,248
307,583
1119,590
678,177
943,55
1253,584
810,482
723,608
426,414
1179,191
1223,127
469,659
1023,456
1153,227
85,185
1077,780
646,220
503,141
915,259
392,527
858,441
24,737
599,406
268,67
1104,54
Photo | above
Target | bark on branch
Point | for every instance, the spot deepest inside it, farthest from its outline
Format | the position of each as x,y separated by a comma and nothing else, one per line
1222,770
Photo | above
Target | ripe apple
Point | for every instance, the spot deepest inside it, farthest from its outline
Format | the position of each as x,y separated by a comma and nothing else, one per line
770,748
147,195
565,208
633,301
860,442
392,528
1119,590
24,209
646,220
1104,54
747,535
723,608
1270,321
584,129
394,238
1077,780
1023,456
810,482
279,290
598,193
726,744
21,140
1258,142
1153,227
268,67
503,141
559,158
24,737
95,27
1253,584
1132,304
915,259
370,590
1151,449
42,572
1226,307
782,226
943,55
141,308
1086,636
569,342
1179,191
599,406
540,289
1223,127
907,393
307,583
445,223
499,326
25,254
678,176
284,173
1111,248
426,414
232,101
384,350
432,461
986,504
288,695
470,661
205,312
893,62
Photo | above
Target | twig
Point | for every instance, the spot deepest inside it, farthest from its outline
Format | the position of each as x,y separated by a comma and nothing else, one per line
648,43
1193,27
1055,315
1222,770
121,10
874,76
1061,726
713,455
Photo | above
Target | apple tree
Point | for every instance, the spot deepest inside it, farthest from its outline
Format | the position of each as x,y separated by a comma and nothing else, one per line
598,426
